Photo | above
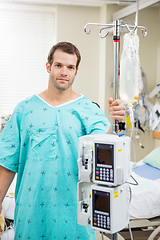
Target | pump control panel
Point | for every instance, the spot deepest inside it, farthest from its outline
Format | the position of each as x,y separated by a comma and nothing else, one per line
104,159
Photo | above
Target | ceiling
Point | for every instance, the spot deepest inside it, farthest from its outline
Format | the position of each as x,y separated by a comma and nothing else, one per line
93,3
96,3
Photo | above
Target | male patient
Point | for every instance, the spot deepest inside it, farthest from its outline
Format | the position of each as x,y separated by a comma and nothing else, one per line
40,143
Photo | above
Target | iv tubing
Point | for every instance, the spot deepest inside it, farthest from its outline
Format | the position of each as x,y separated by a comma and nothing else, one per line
131,115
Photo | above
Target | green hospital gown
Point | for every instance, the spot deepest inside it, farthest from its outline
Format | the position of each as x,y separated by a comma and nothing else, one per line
40,143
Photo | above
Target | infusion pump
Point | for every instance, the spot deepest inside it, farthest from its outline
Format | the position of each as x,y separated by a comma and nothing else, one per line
103,194
104,208
104,159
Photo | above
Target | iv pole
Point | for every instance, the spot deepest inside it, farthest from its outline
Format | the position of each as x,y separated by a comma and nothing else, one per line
116,38
116,25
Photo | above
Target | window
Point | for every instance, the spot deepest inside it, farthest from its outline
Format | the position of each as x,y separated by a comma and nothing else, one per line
27,34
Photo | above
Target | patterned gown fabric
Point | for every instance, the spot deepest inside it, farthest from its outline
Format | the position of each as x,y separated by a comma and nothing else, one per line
40,143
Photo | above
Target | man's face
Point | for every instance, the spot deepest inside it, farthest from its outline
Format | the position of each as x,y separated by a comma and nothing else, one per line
63,70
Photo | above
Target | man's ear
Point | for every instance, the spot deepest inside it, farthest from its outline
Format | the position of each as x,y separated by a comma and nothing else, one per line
48,67
76,71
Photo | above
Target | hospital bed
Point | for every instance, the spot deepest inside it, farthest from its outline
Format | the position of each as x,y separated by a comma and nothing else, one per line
145,203
144,207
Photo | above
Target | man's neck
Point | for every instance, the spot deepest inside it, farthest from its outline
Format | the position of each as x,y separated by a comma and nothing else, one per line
56,98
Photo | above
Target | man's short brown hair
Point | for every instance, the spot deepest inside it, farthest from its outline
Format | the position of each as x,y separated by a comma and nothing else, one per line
66,47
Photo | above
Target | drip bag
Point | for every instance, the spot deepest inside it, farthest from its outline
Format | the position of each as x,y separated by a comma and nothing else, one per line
130,71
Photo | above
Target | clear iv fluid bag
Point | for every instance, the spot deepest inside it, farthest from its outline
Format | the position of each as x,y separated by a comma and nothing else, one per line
130,71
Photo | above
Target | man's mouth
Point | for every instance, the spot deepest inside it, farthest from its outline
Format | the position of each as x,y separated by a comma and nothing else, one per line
62,80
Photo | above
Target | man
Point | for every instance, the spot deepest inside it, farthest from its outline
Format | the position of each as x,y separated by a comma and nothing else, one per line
40,143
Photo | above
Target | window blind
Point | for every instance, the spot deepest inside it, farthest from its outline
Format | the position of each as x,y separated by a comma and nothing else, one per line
27,34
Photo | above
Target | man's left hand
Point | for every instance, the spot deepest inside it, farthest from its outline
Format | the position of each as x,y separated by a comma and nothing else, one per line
116,109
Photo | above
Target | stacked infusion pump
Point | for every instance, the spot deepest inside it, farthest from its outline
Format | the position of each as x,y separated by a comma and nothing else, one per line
103,194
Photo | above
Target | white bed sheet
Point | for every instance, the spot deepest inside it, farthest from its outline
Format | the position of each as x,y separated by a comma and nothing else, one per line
145,199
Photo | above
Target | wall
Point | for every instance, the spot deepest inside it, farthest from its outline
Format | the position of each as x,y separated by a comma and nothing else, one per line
158,48
95,75
149,18
150,59
70,23
94,66
96,69
148,45
157,141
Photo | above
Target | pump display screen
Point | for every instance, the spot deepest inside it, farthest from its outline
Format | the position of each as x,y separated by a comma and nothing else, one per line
101,209
104,153
102,203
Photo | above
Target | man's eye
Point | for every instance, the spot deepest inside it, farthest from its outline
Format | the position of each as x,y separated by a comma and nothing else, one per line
58,65
71,68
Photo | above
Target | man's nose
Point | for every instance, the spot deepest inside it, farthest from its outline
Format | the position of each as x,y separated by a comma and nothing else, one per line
64,70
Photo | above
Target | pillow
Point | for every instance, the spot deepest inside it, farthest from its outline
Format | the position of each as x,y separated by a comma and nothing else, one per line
153,158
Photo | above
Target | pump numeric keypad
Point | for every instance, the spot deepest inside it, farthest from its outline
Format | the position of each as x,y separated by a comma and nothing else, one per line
104,174
101,221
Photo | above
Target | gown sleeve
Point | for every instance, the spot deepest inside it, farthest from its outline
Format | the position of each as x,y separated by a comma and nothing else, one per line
95,120
10,141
